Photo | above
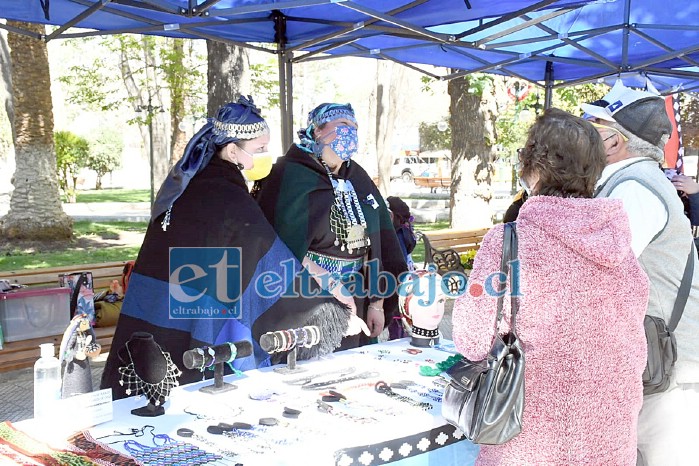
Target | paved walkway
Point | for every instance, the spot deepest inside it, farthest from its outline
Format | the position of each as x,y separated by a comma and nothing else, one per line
17,391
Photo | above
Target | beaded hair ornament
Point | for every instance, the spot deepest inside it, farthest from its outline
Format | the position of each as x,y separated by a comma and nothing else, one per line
239,131
157,392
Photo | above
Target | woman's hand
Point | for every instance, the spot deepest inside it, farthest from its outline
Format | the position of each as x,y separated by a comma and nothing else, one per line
375,319
343,295
333,286
685,184
356,325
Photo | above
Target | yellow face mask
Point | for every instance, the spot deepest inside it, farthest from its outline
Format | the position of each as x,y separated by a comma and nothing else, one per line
262,165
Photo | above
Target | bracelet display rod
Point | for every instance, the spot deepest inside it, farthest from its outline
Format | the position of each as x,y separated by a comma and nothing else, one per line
215,357
290,340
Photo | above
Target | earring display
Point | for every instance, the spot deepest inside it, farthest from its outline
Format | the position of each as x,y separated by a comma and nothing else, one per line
149,371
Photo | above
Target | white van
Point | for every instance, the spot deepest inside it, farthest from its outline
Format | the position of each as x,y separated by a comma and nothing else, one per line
438,163
407,167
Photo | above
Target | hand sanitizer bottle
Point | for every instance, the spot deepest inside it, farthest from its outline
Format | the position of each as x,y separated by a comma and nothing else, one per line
47,382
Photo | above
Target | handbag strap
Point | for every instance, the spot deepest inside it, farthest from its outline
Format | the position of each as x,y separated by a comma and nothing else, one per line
509,254
683,292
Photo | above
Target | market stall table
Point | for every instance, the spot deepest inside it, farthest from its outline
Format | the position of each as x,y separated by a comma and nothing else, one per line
312,424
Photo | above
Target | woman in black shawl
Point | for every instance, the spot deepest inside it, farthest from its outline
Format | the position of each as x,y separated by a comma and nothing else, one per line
327,209
202,211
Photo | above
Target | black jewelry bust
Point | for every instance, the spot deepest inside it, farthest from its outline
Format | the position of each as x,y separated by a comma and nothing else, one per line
149,372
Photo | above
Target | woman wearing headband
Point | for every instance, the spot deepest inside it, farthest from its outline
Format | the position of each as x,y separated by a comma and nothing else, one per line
326,208
202,274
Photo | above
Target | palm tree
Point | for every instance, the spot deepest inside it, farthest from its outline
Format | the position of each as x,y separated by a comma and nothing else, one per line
35,205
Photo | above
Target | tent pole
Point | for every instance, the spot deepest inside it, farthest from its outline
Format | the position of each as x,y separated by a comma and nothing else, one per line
286,100
284,85
289,83
548,82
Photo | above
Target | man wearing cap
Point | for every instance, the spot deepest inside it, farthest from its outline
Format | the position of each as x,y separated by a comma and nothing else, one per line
635,127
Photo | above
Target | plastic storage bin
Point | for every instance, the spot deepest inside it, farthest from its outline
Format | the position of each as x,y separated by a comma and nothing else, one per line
38,313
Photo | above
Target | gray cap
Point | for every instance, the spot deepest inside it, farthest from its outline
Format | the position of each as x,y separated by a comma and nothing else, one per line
641,113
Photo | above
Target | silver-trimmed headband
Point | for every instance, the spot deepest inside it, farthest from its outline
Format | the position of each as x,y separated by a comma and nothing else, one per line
244,131
334,114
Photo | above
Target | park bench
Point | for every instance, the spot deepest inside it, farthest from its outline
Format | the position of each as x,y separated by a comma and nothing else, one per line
432,182
24,353
442,247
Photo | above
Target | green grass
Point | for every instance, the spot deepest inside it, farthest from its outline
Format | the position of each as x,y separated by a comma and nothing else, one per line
114,195
418,253
106,230
81,252
67,257
87,247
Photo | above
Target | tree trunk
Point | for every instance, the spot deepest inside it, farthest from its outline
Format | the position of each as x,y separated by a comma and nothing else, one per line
228,74
177,94
391,80
6,77
141,101
98,182
472,118
7,158
161,148
35,205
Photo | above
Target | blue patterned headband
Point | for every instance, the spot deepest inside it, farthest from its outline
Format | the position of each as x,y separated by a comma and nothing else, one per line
317,117
233,122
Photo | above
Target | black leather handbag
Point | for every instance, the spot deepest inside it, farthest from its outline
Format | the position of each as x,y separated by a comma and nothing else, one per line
485,399
662,347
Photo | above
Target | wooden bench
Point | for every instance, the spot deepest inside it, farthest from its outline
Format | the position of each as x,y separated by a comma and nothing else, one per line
432,182
102,274
24,353
442,247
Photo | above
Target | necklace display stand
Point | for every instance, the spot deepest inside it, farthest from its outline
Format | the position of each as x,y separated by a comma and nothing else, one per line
149,410
148,371
290,340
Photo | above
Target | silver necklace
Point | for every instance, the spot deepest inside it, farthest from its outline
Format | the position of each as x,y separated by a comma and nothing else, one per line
347,220
135,385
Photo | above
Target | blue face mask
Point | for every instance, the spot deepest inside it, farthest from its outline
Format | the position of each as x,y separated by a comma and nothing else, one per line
346,142
525,186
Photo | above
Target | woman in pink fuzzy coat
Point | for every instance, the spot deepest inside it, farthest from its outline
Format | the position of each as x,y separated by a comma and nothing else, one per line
581,311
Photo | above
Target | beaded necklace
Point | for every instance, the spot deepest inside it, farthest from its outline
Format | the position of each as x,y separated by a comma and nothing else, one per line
170,453
84,444
440,366
153,391
433,394
347,220
383,387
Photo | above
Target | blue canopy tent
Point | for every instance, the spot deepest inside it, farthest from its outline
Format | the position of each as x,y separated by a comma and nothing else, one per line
549,42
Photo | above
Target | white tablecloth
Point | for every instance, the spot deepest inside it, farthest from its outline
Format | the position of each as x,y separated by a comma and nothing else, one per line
371,429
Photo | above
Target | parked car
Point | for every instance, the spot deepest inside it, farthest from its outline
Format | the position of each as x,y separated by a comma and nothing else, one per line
407,167
438,163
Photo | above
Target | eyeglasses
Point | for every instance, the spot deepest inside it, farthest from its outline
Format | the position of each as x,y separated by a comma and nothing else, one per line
518,164
615,132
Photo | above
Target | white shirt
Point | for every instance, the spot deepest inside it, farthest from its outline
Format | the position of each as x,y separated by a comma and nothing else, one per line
647,214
